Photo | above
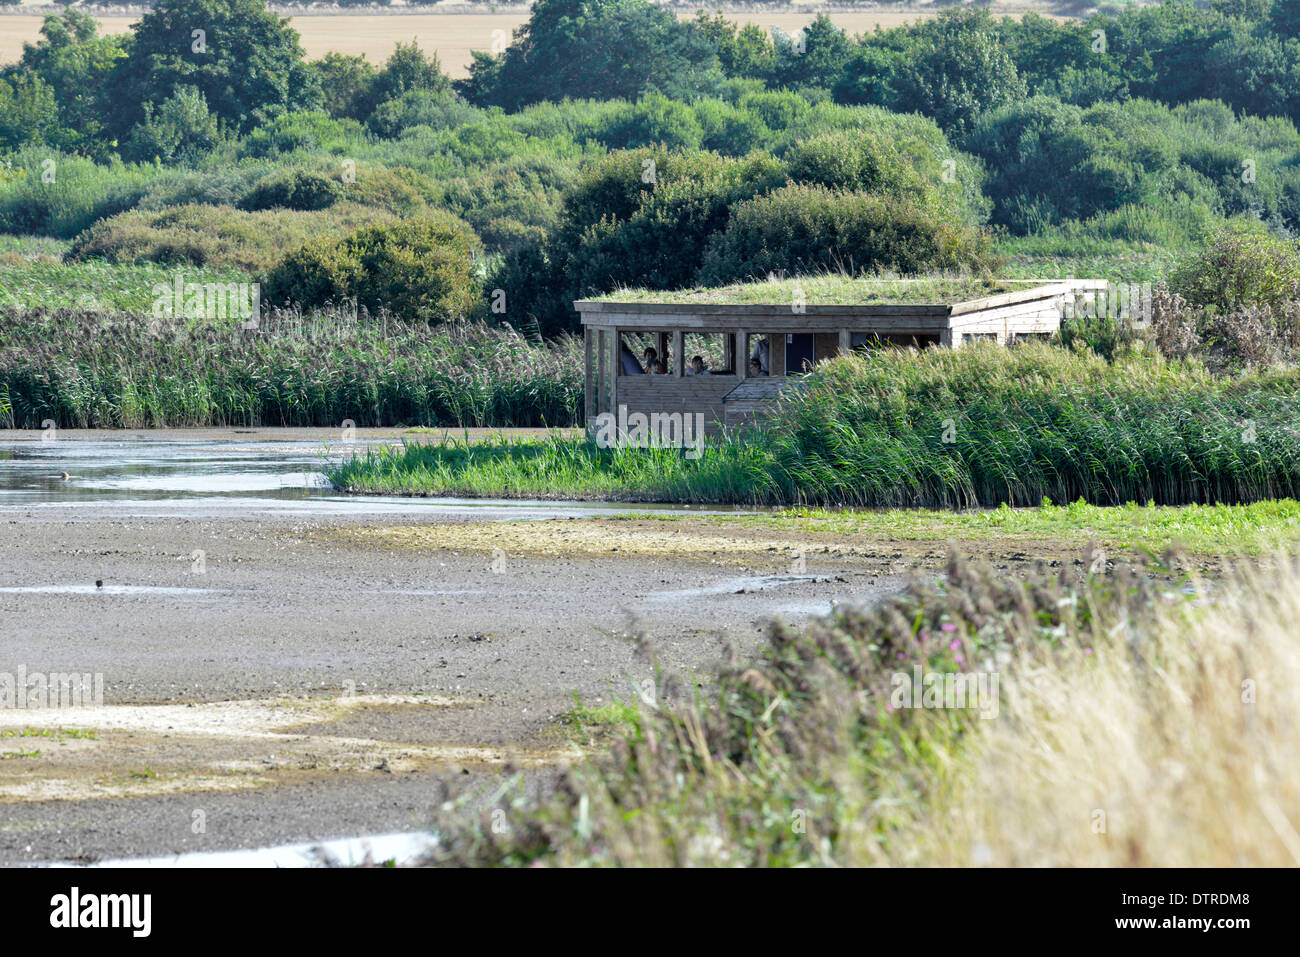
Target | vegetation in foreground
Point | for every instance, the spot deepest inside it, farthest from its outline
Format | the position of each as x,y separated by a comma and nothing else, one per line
1129,719
969,428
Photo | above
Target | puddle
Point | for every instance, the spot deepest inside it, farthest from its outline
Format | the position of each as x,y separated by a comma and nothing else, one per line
401,849
735,586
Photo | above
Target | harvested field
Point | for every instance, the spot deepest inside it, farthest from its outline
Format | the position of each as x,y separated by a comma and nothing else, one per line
452,35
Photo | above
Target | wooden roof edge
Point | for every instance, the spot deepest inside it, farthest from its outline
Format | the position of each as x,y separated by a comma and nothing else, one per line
1047,289
1034,289
773,312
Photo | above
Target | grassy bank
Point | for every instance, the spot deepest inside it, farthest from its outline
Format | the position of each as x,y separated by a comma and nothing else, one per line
87,369
1123,729
1253,529
968,428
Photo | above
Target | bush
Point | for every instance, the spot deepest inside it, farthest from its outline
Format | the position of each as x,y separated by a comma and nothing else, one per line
423,269
181,130
777,109
438,110
226,186
874,161
310,132
729,130
661,243
293,189
654,120
508,201
79,192
398,190
802,229
216,236
1243,265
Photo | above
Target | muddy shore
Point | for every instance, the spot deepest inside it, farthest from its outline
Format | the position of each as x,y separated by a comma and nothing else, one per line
325,675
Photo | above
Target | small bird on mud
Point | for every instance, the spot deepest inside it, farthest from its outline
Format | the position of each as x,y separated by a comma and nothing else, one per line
99,583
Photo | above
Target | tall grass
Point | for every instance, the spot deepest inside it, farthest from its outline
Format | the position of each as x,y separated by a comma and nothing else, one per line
115,370
37,281
973,427
1130,728
984,425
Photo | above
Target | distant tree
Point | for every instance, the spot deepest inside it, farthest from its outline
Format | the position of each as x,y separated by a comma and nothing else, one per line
960,71
244,59
181,130
1285,19
347,85
814,56
408,69
76,64
29,113
602,49
743,51
1259,75
872,75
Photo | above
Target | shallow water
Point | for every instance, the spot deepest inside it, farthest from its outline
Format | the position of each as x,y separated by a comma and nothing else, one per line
143,474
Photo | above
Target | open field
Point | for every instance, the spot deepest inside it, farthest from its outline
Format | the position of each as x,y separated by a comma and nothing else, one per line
451,35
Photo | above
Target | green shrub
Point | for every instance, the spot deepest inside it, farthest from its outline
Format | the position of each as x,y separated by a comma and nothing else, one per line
728,129
308,132
418,270
180,130
508,200
802,229
293,189
224,186
216,236
1243,265
52,194
398,190
777,109
436,110
654,120
660,245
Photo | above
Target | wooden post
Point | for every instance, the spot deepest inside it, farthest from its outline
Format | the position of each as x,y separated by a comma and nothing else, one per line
846,342
679,355
742,355
776,353
602,380
729,351
588,377
661,347
615,364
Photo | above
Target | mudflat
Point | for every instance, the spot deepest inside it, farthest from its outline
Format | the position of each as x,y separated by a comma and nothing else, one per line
320,674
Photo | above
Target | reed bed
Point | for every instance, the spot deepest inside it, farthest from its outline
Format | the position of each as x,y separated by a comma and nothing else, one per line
86,369
970,428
